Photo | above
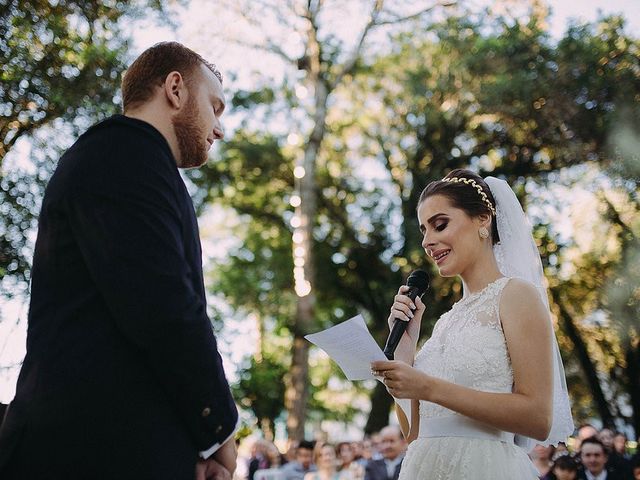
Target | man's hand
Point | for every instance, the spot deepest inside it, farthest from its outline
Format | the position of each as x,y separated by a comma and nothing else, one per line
226,455
209,469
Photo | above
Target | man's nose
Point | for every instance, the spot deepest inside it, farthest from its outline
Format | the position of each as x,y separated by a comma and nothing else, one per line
218,133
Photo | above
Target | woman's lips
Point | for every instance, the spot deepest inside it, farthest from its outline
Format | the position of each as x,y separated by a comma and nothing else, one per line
441,256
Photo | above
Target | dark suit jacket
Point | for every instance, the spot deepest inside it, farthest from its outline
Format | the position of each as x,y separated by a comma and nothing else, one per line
122,377
611,475
377,470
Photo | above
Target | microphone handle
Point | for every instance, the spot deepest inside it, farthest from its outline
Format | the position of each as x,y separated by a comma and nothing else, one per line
398,329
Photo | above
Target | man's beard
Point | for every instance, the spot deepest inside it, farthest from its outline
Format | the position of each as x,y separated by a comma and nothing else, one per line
193,152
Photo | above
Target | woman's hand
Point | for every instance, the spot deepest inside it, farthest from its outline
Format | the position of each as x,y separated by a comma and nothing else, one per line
405,310
402,380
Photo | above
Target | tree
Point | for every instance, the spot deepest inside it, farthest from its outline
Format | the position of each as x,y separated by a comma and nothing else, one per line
260,388
325,62
63,62
488,92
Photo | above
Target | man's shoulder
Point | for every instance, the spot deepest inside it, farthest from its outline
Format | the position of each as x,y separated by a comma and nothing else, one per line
615,474
126,135
375,464
291,467
117,148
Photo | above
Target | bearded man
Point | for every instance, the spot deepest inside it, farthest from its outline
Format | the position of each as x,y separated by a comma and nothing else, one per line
122,377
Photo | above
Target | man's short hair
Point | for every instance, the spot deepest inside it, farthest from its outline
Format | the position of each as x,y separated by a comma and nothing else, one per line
594,441
306,444
395,429
151,68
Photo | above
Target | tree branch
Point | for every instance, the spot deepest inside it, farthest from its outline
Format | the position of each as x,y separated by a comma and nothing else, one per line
398,19
270,47
615,216
351,61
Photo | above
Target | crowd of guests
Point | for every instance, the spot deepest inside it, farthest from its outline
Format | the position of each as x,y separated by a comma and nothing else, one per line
594,455
378,457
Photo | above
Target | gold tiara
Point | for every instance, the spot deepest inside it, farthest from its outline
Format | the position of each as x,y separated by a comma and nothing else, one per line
469,181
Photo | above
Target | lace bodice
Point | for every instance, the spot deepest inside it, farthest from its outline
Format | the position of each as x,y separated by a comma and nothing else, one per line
468,347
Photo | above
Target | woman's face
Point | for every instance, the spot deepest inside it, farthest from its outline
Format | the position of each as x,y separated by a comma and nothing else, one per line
562,474
620,443
449,236
327,457
346,453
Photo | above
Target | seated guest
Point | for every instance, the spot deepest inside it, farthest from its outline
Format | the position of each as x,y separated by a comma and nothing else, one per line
392,447
367,452
347,461
259,457
564,468
276,458
620,445
541,458
584,431
594,458
561,449
635,467
616,461
302,465
327,465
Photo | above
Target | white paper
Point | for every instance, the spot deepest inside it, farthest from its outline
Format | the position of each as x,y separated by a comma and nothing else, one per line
351,346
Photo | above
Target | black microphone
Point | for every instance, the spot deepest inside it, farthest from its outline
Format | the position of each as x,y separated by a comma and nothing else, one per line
418,283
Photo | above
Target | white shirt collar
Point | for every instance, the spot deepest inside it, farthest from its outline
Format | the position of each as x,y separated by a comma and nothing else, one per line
392,464
602,476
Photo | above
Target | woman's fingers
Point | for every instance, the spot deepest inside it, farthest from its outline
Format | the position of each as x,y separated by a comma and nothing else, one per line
384,365
404,300
403,308
420,304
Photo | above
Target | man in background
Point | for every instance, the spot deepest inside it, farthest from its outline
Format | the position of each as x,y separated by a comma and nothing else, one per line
303,463
393,447
593,456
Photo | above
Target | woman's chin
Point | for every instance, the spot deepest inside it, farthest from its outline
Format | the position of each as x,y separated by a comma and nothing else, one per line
447,271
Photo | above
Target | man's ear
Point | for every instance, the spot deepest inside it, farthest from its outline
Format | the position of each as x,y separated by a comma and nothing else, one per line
175,89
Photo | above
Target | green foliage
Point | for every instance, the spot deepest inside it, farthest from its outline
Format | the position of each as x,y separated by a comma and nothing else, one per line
63,61
260,387
493,94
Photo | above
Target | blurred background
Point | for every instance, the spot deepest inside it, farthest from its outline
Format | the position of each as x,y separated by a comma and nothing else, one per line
339,113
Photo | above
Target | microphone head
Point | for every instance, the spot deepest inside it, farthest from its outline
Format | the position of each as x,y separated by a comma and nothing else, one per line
419,279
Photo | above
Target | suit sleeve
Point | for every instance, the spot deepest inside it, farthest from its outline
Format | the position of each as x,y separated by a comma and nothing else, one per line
129,228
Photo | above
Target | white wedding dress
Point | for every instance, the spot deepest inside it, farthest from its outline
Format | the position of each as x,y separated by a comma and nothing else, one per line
467,347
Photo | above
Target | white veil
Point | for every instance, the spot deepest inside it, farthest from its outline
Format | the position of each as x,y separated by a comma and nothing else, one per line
518,256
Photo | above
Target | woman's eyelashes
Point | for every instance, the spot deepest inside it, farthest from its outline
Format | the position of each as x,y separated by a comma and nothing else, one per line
441,226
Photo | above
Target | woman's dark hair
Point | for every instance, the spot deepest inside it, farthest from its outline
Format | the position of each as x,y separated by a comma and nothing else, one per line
563,462
464,196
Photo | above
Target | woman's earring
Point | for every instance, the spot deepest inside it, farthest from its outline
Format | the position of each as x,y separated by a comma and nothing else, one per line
483,232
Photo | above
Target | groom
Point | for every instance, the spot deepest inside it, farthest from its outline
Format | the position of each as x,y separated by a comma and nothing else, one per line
122,377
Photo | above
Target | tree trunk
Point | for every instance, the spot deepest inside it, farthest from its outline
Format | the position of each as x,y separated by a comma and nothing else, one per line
587,365
381,403
304,271
297,391
632,374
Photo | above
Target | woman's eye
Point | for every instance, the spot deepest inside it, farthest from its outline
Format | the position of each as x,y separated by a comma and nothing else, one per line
441,227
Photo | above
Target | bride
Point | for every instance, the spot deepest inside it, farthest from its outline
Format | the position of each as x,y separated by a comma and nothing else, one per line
489,383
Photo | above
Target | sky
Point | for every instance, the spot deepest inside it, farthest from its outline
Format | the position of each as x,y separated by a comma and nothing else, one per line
201,16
